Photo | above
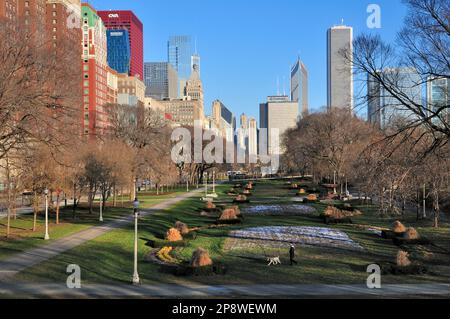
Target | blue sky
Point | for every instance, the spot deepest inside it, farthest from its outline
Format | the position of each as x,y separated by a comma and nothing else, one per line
245,45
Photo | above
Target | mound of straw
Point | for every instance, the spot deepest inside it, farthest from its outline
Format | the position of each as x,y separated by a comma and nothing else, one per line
173,235
200,258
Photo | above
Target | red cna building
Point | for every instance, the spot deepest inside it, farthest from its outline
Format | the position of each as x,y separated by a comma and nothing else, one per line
124,19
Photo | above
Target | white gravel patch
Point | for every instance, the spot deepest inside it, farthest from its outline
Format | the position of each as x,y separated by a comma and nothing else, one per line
315,236
279,210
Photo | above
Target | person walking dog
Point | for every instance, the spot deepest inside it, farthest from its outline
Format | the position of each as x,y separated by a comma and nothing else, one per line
292,255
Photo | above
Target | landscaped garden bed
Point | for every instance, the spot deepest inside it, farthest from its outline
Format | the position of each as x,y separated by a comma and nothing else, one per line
279,236
293,210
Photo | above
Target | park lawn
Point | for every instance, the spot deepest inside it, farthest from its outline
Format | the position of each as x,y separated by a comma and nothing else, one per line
109,259
23,238
147,198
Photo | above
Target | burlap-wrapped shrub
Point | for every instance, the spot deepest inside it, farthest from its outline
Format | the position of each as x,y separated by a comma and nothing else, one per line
241,198
210,205
402,259
398,227
228,214
334,212
411,233
173,235
182,228
200,258
235,208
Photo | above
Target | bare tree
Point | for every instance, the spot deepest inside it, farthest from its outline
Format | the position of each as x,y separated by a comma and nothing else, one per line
423,46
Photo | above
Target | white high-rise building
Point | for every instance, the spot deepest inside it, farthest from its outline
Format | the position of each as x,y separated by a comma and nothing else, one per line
252,140
339,70
279,113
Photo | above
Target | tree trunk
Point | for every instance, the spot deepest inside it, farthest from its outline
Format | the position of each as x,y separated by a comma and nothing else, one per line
74,208
57,207
121,196
418,206
8,223
114,196
436,211
35,211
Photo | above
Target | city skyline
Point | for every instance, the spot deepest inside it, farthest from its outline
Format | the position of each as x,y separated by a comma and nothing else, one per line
229,49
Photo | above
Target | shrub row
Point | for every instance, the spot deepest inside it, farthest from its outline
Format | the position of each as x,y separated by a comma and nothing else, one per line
185,269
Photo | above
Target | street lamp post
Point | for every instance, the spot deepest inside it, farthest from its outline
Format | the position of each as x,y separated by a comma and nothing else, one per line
136,280
334,182
101,209
46,237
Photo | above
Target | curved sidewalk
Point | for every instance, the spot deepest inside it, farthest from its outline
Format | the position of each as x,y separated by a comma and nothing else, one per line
21,261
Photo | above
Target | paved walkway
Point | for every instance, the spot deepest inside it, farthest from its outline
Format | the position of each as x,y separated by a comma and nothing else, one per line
198,291
21,261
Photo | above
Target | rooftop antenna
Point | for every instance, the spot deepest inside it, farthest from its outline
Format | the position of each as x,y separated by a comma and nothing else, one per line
195,41
278,86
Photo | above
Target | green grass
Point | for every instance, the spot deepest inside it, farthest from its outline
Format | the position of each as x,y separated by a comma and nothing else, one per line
109,259
23,238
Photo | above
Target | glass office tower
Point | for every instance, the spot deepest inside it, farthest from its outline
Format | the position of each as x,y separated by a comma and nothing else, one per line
180,51
161,80
118,50
438,98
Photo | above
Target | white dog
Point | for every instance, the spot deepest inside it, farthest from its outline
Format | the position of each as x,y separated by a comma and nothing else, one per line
274,261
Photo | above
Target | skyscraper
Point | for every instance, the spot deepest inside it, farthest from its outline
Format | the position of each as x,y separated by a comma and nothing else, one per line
63,24
384,109
244,121
278,113
194,86
224,119
95,71
339,70
179,54
119,50
190,108
299,86
195,60
124,19
252,140
242,134
161,80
